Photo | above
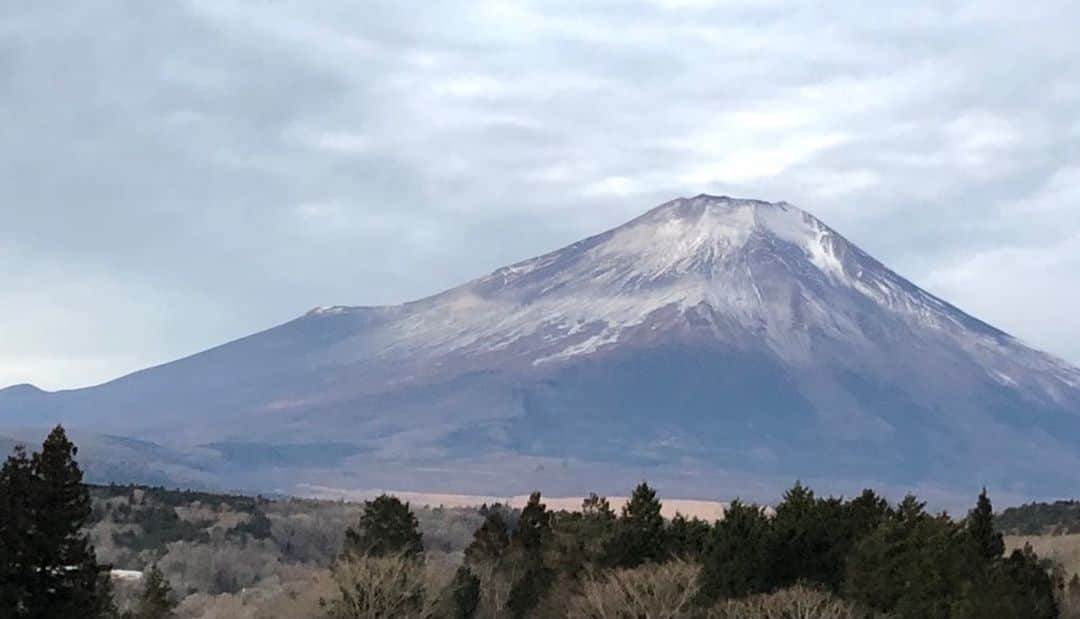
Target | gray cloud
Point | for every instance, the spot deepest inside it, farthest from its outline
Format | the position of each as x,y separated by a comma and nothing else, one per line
176,174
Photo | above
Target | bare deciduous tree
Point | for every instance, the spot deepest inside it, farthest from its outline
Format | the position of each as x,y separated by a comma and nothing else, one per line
798,602
649,592
494,589
378,588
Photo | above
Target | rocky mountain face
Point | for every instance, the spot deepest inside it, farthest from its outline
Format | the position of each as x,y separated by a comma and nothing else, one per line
716,345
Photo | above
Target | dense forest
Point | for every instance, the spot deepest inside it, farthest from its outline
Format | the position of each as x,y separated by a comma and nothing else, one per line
63,545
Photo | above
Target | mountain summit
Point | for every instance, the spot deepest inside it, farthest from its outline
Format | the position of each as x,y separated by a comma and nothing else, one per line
718,345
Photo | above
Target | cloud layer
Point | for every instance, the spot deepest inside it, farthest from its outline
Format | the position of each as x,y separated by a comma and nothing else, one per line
176,174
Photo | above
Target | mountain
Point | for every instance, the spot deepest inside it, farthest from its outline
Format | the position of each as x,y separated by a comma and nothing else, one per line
721,346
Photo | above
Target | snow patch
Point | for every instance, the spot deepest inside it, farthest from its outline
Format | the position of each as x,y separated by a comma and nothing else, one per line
609,335
1003,378
329,310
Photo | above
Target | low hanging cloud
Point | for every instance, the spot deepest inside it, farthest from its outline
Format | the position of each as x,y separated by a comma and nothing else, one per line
176,174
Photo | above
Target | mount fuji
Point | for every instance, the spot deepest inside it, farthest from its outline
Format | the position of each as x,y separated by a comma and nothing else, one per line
718,346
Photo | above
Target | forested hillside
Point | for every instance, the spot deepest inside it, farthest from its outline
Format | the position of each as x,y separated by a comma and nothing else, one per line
1057,518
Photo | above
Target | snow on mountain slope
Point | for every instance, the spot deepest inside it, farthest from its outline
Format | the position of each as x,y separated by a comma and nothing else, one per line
711,337
714,252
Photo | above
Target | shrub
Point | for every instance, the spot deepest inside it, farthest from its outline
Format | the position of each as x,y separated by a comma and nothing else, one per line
798,602
660,591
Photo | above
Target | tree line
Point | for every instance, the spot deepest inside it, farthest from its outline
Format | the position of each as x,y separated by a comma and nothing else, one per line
858,557
878,559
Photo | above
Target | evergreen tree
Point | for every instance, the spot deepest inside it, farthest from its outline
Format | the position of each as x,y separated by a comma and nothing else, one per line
528,541
995,586
865,513
596,528
596,507
156,601
811,538
17,483
527,591
1026,579
979,527
911,566
387,527
65,579
795,543
688,537
490,541
464,594
1016,586
578,539
833,536
533,527
639,532
736,563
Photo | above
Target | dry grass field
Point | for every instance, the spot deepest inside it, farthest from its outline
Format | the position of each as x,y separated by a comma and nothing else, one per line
1061,549
708,511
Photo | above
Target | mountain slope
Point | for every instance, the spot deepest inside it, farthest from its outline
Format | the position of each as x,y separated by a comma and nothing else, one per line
709,339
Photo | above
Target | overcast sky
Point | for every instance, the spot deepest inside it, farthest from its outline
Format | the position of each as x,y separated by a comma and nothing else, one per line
177,174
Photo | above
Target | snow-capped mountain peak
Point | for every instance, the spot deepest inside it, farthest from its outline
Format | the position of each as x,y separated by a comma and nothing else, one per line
712,268
701,233
696,238
740,265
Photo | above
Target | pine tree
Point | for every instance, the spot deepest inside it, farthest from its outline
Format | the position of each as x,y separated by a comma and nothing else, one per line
1016,586
596,529
387,527
1030,586
979,527
639,533
913,565
910,511
534,524
579,538
866,512
811,538
687,537
490,541
465,594
596,507
528,542
156,601
795,543
736,563
17,487
998,586
66,579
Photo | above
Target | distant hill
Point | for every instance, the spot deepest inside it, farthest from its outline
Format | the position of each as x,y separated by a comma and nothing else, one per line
1057,518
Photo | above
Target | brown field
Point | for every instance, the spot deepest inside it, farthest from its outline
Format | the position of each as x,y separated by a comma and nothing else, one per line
706,510
1062,549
